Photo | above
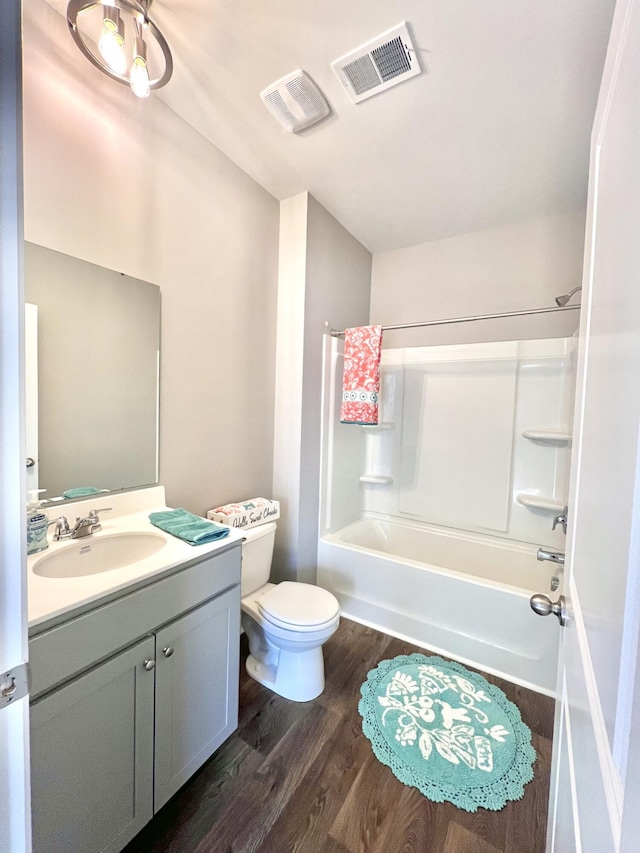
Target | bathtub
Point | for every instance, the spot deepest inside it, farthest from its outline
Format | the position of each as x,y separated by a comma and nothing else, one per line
461,595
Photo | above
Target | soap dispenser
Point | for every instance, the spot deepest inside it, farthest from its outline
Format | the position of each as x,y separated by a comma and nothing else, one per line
37,524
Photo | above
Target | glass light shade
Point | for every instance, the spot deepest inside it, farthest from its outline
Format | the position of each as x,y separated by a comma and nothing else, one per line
111,47
140,78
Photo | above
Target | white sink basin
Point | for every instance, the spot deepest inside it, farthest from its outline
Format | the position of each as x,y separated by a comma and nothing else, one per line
94,555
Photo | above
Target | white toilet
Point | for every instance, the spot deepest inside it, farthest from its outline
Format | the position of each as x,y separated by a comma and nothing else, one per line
286,623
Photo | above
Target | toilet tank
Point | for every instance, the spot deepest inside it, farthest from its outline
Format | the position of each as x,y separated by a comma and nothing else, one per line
257,552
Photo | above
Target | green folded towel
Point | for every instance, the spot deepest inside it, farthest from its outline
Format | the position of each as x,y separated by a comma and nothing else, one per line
80,492
187,526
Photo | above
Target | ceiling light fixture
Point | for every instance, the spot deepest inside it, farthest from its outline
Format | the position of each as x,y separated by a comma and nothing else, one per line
119,38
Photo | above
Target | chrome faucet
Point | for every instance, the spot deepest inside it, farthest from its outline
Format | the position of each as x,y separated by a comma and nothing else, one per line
89,524
552,556
83,527
561,519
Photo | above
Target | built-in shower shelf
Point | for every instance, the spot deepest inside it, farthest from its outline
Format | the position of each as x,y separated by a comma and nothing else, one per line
382,425
539,502
376,479
548,436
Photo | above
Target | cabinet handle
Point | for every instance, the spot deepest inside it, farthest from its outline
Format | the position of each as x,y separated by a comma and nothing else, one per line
149,665
167,651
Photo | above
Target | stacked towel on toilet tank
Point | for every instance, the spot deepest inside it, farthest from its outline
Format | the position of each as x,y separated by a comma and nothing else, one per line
361,378
245,514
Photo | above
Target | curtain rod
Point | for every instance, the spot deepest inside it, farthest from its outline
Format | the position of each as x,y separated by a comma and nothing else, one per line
337,334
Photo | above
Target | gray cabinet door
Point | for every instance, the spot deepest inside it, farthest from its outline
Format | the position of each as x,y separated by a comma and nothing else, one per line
196,690
92,757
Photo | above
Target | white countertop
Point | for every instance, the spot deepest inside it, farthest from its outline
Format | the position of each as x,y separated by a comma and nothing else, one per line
52,597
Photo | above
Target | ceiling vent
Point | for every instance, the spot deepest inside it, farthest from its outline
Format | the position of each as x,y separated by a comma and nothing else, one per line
378,65
295,101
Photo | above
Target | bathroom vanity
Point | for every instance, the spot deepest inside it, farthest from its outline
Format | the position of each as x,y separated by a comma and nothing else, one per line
134,684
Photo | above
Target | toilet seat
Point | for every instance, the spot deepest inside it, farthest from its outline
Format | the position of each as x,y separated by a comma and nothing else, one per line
298,606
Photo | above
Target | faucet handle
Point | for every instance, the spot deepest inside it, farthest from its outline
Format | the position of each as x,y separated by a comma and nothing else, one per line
93,513
561,519
62,530
93,516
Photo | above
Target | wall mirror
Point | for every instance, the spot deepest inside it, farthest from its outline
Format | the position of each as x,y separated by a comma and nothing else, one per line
93,347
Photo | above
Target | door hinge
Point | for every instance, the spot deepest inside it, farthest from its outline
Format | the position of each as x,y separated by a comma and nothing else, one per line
14,684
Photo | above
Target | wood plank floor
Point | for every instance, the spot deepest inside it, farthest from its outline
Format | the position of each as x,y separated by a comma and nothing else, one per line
302,777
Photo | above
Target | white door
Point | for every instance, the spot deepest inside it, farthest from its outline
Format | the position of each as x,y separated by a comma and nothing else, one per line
595,795
14,710
31,394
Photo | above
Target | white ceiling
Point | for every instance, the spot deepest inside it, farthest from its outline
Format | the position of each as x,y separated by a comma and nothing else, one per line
495,130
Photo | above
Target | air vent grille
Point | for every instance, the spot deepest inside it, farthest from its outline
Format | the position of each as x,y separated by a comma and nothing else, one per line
279,110
380,64
391,59
362,74
306,95
295,101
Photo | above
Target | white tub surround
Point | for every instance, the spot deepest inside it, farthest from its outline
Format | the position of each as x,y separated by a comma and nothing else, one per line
51,598
431,520
475,437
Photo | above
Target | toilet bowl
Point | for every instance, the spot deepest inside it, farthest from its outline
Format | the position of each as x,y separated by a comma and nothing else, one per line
286,623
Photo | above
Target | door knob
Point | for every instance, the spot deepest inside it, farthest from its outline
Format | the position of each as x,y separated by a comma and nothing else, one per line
543,606
30,462
167,651
149,665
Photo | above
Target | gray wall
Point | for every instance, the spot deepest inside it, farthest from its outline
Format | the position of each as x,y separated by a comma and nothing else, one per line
519,266
128,185
325,277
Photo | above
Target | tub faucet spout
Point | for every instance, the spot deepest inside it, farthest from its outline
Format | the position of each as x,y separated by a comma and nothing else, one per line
552,556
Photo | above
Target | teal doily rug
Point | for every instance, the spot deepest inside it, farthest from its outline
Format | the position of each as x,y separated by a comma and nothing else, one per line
447,732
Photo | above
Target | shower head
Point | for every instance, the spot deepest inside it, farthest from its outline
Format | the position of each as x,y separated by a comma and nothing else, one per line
562,300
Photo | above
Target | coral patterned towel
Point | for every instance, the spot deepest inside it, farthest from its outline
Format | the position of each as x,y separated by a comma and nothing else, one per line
361,380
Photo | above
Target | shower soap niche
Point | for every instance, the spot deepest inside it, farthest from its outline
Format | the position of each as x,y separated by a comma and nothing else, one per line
539,502
382,425
548,436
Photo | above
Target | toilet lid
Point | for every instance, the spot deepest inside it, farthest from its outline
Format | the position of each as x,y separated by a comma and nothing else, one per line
299,605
